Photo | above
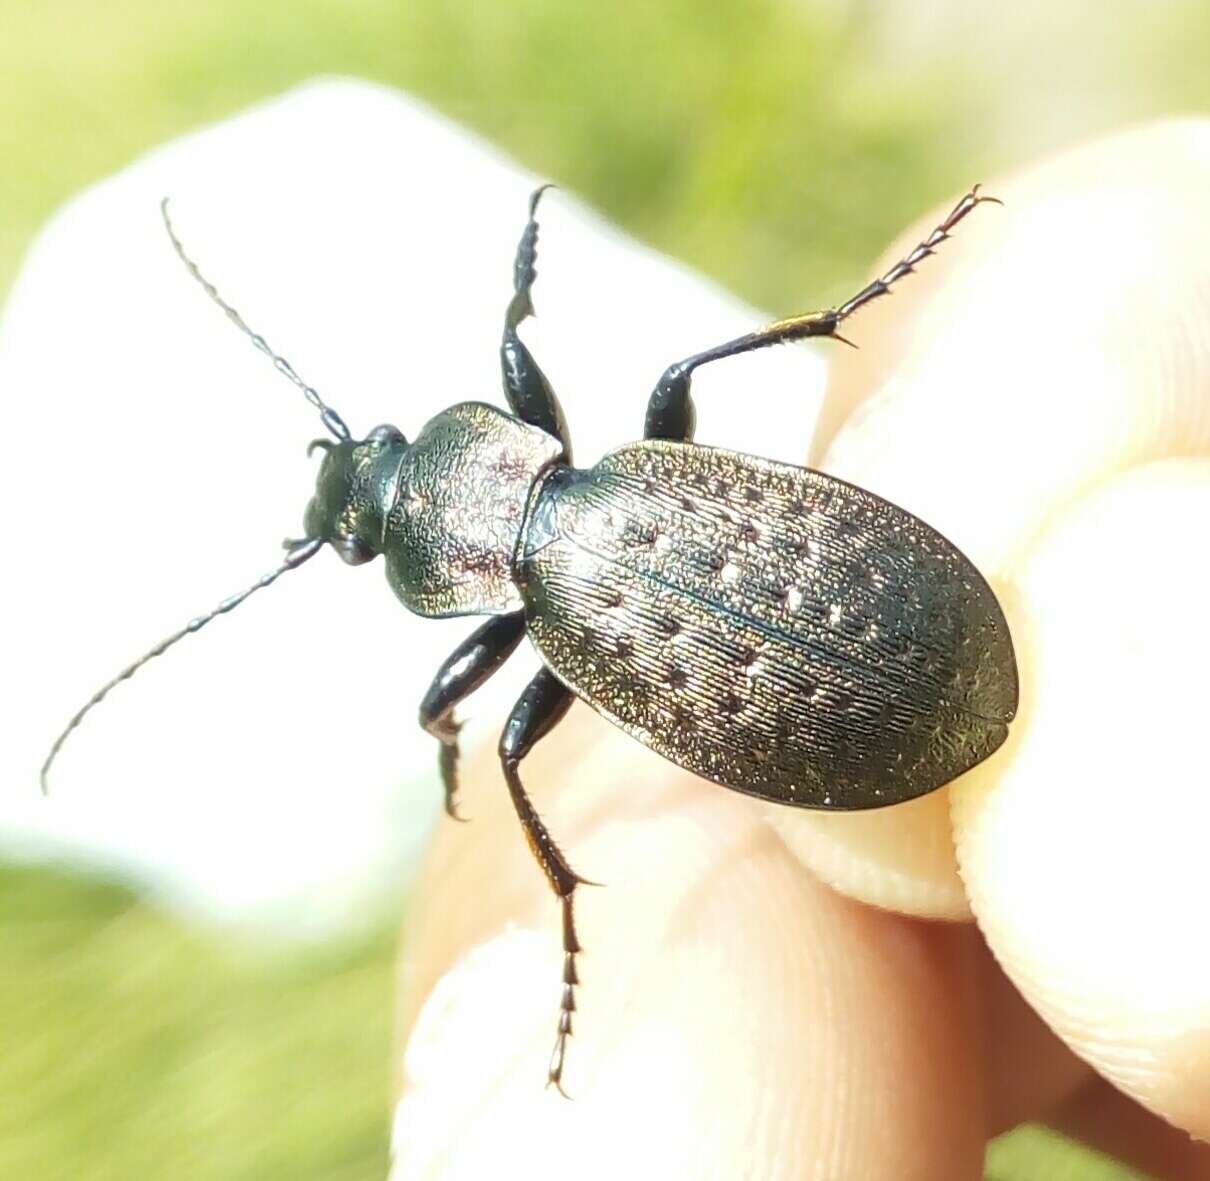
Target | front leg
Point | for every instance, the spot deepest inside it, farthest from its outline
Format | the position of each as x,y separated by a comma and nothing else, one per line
545,700
528,392
467,667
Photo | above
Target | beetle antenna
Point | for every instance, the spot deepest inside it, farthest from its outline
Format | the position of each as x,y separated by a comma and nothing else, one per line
301,552
331,419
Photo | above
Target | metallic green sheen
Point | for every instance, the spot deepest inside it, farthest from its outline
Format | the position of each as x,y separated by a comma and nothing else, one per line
458,508
768,627
355,489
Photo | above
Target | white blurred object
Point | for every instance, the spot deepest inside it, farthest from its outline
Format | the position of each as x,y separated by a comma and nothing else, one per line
271,769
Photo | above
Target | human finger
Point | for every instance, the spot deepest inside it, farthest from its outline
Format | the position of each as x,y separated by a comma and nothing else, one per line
1085,859
1053,343
735,1016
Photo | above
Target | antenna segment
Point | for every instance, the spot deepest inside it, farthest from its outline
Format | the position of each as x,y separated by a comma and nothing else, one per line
330,418
301,552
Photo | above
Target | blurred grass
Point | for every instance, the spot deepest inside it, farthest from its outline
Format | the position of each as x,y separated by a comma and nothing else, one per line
756,140
133,1045
774,145
1039,1154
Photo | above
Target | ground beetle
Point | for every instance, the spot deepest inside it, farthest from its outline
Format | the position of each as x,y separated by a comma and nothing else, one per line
771,628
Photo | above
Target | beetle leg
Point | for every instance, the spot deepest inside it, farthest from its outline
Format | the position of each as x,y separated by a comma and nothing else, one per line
539,709
905,266
464,670
526,387
670,412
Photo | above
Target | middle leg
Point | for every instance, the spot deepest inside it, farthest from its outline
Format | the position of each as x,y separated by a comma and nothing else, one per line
670,413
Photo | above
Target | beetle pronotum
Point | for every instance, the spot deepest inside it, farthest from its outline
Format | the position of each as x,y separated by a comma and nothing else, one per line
771,628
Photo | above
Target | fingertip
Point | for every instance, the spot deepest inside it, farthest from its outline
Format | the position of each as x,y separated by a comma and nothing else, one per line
1043,350
900,859
1084,857
467,1054
717,976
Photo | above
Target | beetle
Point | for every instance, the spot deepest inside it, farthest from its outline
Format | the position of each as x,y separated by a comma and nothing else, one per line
775,630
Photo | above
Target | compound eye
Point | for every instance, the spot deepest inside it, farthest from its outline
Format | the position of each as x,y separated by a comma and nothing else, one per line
386,434
352,551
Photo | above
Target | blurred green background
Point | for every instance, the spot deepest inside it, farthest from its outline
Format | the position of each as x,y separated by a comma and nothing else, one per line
776,146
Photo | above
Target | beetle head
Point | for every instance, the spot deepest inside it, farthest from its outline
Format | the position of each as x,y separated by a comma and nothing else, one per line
353,492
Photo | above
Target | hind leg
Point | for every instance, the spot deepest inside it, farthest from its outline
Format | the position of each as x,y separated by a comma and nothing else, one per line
670,413
540,708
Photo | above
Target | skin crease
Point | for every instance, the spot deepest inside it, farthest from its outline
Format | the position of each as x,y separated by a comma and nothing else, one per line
744,1013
